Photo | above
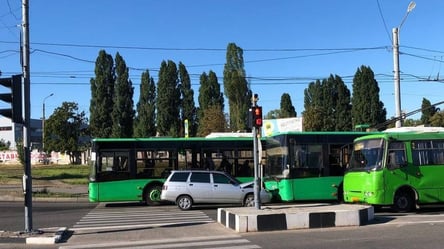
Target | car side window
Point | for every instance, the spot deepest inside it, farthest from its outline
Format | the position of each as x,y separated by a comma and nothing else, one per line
200,177
221,178
179,177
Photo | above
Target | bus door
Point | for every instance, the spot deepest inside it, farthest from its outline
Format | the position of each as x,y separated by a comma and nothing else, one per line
400,171
428,164
113,171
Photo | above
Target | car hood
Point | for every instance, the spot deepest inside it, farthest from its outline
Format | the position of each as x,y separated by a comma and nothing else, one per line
246,184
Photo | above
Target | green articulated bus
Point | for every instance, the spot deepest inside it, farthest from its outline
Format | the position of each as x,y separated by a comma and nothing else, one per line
134,169
307,166
398,169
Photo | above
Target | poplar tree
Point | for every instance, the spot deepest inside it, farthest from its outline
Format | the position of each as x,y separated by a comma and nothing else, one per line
427,111
168,100
366,105
313,107
287,109
236,88
211,105
188,108
123,110
145,122
102,95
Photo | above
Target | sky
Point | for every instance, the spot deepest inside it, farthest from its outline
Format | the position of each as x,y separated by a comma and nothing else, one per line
286,45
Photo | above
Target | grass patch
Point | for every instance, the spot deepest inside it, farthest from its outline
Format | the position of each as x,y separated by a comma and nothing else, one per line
70,174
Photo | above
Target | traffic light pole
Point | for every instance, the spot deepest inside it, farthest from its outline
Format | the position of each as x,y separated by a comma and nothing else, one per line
257,180
27,179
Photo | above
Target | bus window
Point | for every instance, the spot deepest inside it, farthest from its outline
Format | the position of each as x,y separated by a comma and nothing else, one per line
145,163
396,155
114,165
306,160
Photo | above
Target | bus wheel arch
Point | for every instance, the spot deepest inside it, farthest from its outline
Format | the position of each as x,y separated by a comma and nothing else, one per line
151,193
340,193
404,199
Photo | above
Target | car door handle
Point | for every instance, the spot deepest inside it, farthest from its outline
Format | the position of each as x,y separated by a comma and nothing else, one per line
215,185
191,184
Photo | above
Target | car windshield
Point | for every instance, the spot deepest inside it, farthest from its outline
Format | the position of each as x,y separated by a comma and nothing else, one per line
225,179
367,155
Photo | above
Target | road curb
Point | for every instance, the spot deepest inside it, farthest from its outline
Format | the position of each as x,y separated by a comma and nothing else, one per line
47,237
273,218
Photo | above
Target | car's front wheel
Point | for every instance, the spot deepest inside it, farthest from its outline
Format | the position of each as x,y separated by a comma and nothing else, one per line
184,202
249,200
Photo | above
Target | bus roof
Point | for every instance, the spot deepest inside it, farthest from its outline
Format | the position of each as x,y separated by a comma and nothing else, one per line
323,133
171,139
404,135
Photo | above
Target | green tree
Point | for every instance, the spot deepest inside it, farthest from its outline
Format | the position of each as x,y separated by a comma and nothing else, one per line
236,88
145,122
188,108
287,108
211,102
4,145
327,105
313,107
66,131
437,120
213,121
342,105
123,109
102,95
411,122
366,105
168,100
427,111
273,114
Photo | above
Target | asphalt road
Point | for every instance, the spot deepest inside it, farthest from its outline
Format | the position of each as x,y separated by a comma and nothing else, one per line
138,226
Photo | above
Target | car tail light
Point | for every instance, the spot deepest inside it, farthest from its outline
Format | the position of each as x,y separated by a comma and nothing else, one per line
164,187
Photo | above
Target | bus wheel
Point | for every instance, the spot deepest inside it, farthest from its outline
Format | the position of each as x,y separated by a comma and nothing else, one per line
184,202
404,201
152,195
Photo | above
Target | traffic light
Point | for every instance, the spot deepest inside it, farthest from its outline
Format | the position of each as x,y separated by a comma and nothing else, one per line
14,98
256,116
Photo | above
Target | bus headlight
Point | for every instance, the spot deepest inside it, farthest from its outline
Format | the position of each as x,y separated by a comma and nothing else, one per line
369,194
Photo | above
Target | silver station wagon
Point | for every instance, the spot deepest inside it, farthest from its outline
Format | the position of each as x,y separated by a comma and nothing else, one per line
188,187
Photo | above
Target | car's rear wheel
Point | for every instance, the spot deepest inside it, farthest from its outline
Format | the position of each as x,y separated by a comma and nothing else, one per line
184,202
249,200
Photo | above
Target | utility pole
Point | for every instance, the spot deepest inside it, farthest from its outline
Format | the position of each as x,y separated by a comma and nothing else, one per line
395,33
27,179
397,80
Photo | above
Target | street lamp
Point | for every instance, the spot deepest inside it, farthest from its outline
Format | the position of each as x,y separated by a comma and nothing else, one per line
43,122
397,82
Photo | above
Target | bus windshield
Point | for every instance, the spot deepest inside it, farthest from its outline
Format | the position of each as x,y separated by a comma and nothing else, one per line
367,155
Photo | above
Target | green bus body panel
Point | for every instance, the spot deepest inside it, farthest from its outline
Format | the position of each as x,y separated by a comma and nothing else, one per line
359,185
316,188
124,190
379,187
244,179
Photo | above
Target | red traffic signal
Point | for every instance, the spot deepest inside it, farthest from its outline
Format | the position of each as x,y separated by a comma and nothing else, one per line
256,112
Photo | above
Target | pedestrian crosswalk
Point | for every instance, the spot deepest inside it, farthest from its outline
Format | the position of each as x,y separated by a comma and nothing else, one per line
103,218
205,242
120,222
